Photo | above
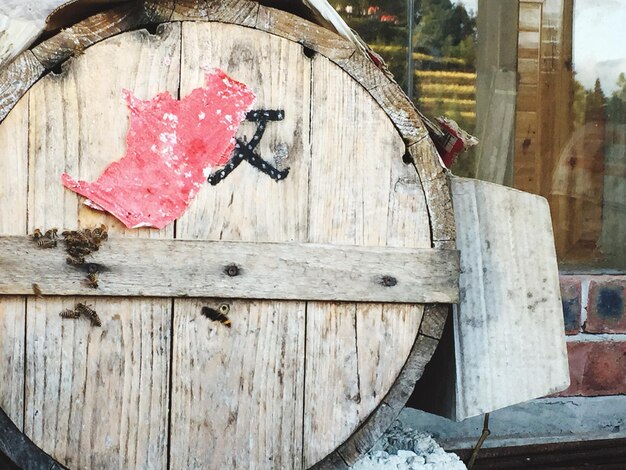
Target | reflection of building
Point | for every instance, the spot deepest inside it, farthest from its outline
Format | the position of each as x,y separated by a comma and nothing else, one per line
567,165
544,107
577,192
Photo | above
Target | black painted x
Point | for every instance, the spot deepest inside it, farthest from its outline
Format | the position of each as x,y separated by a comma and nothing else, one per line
245,150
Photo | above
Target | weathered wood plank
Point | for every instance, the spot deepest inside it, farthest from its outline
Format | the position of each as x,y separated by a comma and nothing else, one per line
16,78
435,316
97,397
237,392
381,203
18,452
13,194
241,12
283,271
112,401
510,316
250,377
436,185
72,41
21,22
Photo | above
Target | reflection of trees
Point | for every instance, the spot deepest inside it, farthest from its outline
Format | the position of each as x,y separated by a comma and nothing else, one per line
613,238
444,41
616,106
590,178
445,30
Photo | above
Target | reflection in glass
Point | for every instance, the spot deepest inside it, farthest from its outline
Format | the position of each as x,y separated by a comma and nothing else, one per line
590,177
551,88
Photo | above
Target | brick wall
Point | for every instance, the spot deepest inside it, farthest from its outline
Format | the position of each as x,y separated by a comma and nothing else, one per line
594,309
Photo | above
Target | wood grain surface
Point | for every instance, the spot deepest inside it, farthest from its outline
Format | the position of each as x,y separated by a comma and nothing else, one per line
237,393
96,397
383,204
510,280
348,185
283,271
13,194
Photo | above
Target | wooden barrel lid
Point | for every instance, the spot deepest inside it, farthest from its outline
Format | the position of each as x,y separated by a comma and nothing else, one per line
292,383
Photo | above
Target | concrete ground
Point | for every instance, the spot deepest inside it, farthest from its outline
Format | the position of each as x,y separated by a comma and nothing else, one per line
541,421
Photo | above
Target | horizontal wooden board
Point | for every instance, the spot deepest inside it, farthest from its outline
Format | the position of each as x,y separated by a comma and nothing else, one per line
186,268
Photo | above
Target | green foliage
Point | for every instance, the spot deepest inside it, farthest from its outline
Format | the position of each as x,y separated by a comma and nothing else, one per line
445,30
580,99
444,51
616,106
595,106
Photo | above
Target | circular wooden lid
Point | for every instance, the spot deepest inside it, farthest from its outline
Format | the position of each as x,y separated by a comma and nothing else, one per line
287,383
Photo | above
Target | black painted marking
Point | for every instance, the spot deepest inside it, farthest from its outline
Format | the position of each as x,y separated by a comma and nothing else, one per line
245,150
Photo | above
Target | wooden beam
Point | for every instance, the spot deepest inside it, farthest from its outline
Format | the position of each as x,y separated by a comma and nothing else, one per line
185,268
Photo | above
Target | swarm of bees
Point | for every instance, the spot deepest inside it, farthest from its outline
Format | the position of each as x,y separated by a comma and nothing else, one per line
78,245
81,243
84,310
45,240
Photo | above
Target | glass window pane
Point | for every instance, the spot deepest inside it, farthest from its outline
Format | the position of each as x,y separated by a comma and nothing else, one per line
570,144
382,25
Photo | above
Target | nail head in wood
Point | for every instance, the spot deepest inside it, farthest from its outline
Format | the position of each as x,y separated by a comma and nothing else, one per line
388,281
407,158
232,270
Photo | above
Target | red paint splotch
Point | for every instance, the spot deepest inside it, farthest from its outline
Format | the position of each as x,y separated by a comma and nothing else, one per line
171,147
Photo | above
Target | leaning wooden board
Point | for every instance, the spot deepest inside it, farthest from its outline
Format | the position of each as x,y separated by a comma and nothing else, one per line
289,384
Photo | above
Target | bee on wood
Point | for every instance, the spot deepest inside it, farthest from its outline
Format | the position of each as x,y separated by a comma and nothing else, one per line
52,233
77,251
92,280
75,261
37,290
100,233
89,312
69,313
219,315
74,237
94,245
44,242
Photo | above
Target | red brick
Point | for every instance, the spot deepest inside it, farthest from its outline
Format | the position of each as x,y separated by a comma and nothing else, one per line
606,309
596,368
570,296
